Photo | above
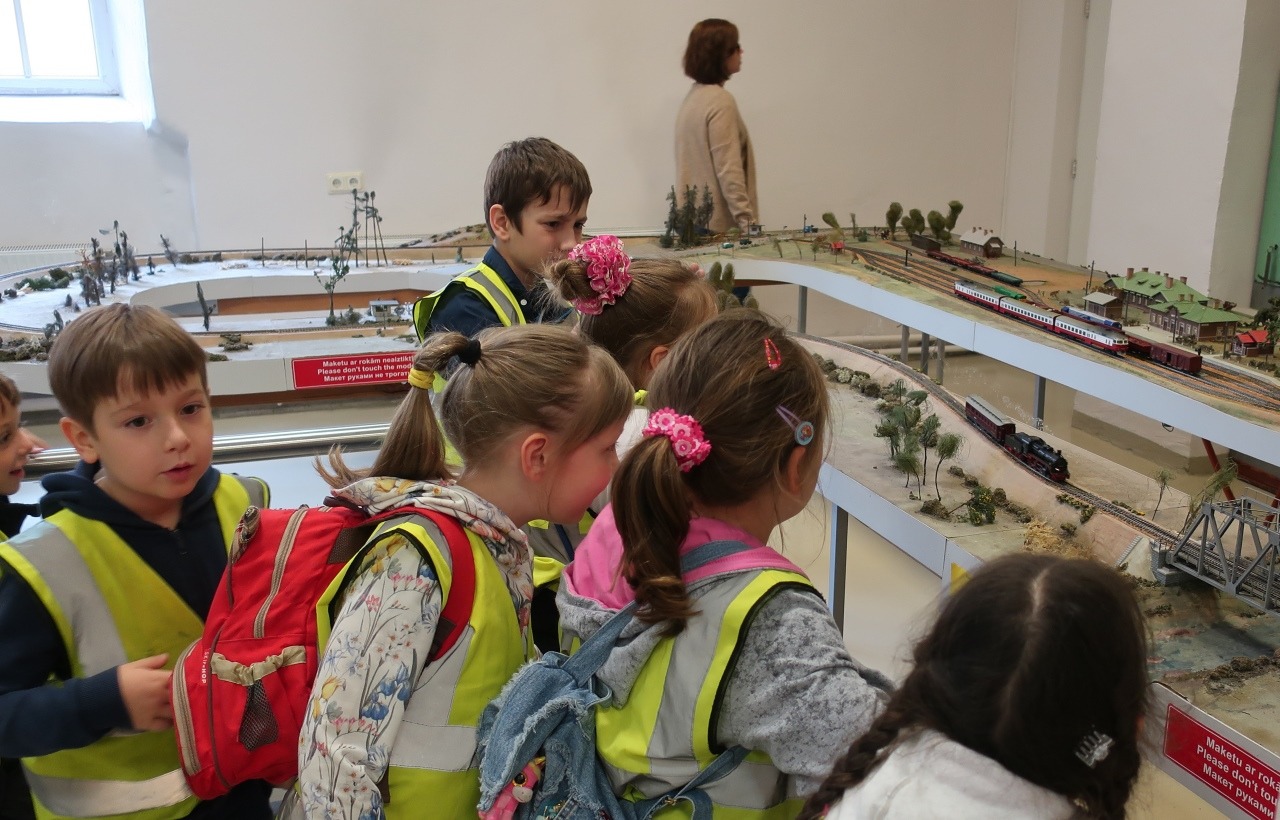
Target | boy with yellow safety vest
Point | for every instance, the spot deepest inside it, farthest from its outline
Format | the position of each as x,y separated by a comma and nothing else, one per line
535,201
97,600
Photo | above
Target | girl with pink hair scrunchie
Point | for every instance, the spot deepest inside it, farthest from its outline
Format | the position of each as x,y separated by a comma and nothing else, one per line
732,449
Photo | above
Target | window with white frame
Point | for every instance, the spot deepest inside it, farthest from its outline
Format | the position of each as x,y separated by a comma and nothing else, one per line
57,47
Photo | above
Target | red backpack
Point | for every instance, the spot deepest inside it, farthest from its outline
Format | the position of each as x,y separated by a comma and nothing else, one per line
240,691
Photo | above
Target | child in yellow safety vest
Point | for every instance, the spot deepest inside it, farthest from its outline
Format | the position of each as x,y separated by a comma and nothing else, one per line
636,309
98,599
535,412
741,652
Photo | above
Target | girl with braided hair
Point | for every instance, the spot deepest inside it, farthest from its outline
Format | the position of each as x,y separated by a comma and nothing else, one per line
1026,699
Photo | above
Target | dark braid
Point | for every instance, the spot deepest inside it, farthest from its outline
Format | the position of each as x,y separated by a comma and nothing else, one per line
861,758
1024,661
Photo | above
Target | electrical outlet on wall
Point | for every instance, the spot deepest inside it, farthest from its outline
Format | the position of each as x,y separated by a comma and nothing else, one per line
341,182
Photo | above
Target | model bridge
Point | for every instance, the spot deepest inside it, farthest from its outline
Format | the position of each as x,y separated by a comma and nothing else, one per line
1231,545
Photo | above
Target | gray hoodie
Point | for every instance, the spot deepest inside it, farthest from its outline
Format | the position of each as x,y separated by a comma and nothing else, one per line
794,693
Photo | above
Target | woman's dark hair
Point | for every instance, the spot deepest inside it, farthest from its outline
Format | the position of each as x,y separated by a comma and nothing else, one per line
1031,656
711,43
720,374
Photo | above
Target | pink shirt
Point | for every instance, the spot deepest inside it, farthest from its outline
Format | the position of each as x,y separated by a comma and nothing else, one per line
595,573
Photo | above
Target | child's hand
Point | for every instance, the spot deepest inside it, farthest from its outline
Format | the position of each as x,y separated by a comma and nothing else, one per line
144,687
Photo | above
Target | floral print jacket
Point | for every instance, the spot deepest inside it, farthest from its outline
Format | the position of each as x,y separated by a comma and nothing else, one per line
386,624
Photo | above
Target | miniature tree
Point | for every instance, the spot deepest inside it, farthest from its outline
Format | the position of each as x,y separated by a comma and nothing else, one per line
1216,484
947,447
954,207
891,433
689,218
169,252
777,246
908,458
853,223
372,227
929,434
837,233
917,222
937,224
891,218
721,278
205,310
705,210
1162,480
151,266
668,239
1269,320
344,247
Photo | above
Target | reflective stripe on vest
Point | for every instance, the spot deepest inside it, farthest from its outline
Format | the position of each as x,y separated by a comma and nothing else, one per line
90,581
432,757
485,281
662,737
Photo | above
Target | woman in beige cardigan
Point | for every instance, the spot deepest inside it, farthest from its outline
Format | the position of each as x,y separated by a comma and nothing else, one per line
712,145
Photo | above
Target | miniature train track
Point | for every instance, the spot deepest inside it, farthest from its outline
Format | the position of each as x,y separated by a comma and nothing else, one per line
937,392
1218,382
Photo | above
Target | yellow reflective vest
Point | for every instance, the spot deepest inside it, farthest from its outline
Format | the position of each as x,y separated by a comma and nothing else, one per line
431,771
665,733
92,583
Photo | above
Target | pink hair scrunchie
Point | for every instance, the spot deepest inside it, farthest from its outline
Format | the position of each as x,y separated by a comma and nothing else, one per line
688,441
608,269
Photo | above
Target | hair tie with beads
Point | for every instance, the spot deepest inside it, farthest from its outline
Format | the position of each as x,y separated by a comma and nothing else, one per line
688,442
470,352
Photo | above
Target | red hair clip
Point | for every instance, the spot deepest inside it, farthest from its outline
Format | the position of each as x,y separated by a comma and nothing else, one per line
771,355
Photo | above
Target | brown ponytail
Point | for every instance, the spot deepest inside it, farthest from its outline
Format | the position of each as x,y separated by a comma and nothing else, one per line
539,376
665,300
720,375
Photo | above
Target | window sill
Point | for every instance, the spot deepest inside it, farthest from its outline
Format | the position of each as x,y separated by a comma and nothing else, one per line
70,108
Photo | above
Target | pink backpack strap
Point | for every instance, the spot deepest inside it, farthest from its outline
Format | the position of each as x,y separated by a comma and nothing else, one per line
755,558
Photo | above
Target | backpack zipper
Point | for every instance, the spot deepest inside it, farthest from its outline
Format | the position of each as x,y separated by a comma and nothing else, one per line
182,714
277,573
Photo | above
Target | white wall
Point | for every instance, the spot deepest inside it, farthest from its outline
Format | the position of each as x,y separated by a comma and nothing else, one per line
850,105
1049,49
1249,143
1169,90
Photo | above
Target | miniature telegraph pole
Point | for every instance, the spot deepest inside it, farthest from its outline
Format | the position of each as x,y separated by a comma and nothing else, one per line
1088,287
906,257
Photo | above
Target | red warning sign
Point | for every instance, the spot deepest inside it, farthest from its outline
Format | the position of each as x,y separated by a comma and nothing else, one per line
1229,770
357,368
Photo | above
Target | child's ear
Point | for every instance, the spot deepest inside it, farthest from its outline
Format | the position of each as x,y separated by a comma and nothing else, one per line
793,472
656,356
534,456
80,438
499,223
